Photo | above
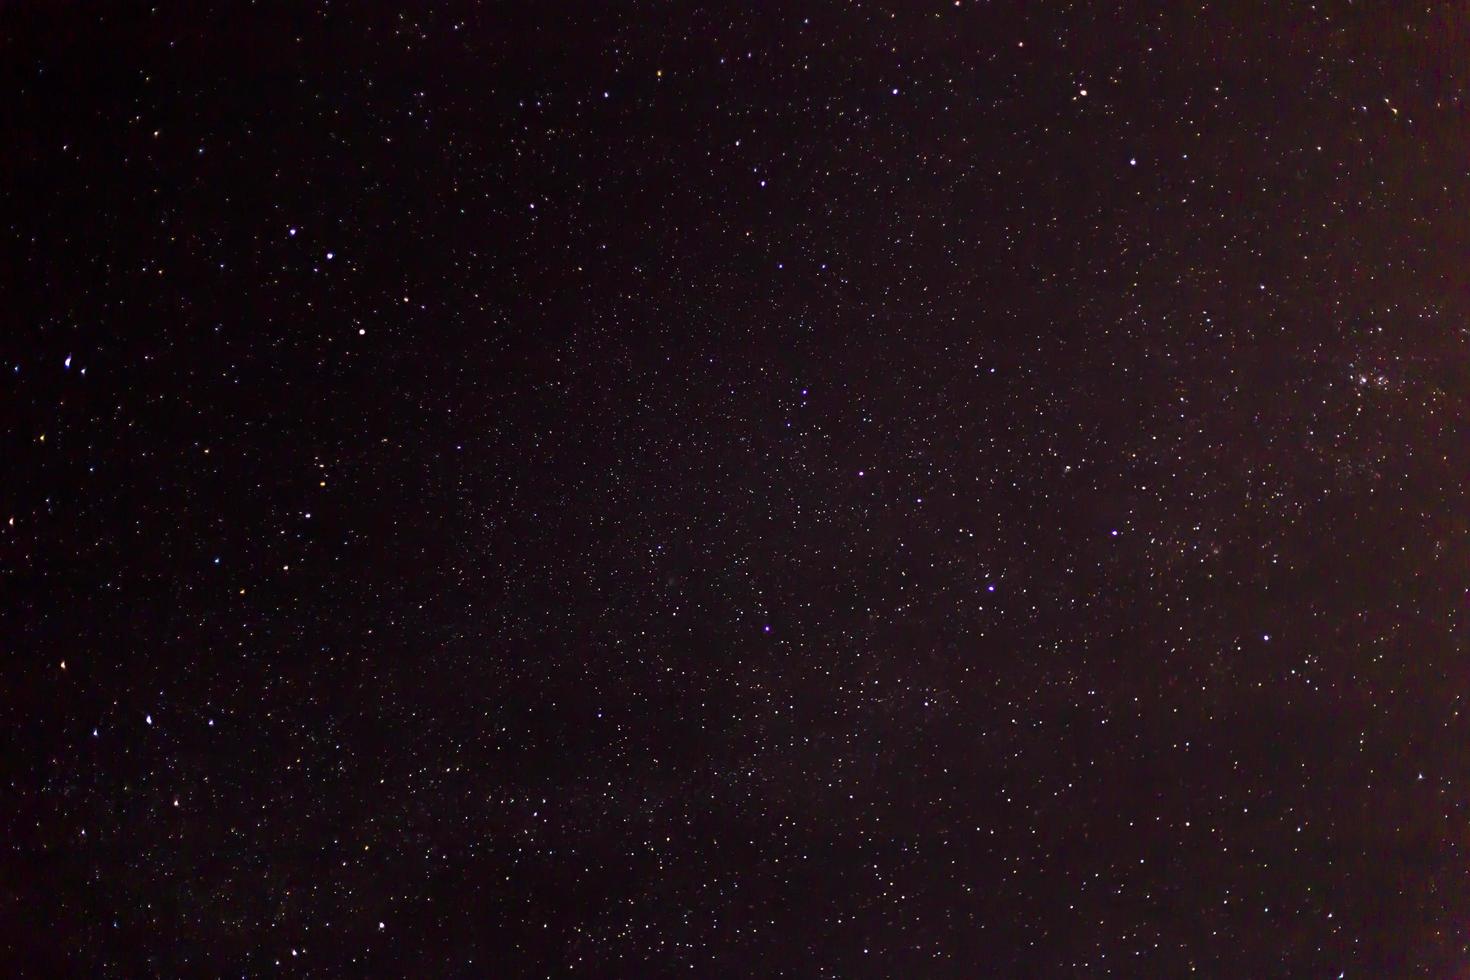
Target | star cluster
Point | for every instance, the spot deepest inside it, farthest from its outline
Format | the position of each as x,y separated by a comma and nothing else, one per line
831,489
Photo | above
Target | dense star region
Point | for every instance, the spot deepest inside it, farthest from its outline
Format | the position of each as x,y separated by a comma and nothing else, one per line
823,489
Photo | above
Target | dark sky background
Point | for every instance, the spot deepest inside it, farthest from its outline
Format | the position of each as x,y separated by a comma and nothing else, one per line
831,489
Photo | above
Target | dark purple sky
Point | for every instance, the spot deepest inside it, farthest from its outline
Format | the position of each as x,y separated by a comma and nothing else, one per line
734,490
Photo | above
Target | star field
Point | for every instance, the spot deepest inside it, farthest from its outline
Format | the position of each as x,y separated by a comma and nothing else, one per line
829,489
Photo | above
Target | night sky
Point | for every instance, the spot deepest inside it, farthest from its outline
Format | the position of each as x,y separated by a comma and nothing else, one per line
642,489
